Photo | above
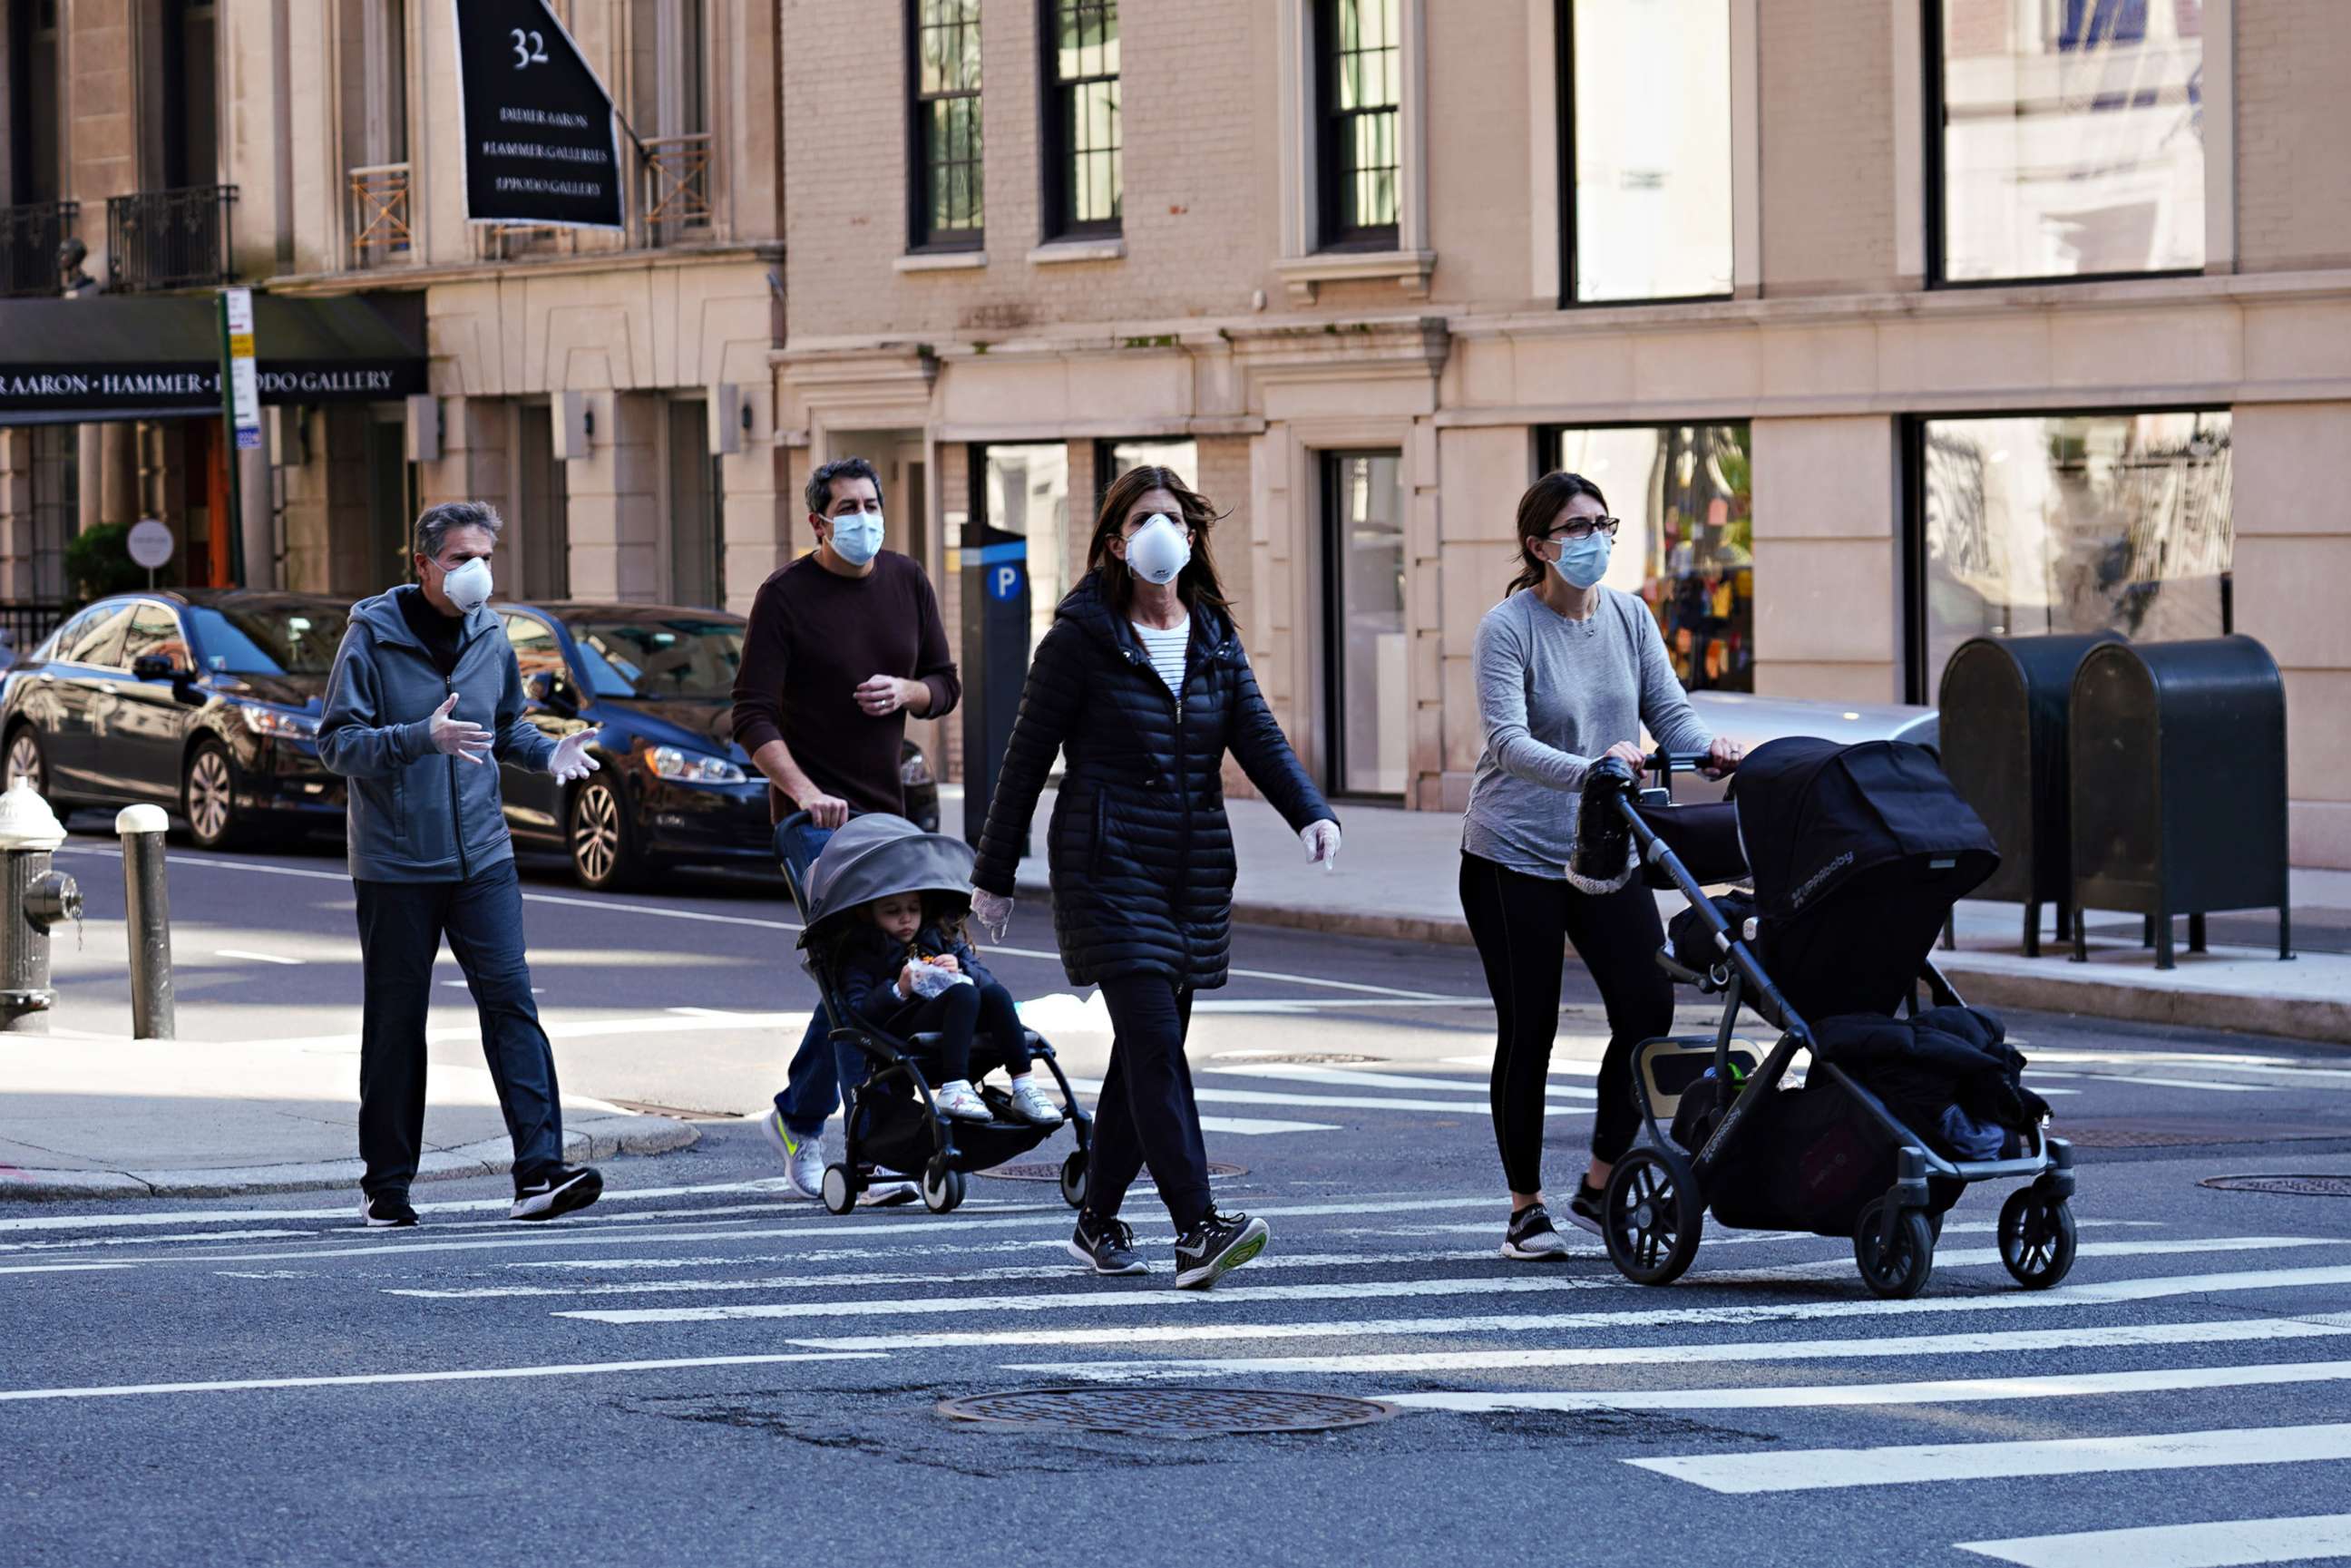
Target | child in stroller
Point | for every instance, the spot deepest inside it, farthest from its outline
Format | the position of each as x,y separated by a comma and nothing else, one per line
911,971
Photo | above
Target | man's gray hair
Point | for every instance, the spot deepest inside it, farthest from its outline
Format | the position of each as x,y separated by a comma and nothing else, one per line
820,485
434,524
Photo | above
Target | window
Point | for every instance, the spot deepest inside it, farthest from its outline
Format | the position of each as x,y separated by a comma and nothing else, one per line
697,509
96,639
2051,523
1025,494
253,640
1112,459
1361,56
675,656
1687,544
1364,657
2069,138
155,630
1646,148
543,520
1083,186
536,650
945,82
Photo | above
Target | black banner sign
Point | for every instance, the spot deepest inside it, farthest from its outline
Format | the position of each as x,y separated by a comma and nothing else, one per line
39,393
540,145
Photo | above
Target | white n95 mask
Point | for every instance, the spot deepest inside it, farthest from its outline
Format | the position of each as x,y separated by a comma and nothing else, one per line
1158,552
469,586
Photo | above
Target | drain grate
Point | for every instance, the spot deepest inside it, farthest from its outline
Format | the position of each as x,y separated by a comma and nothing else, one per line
1167,1412
1050,1171
2294,1186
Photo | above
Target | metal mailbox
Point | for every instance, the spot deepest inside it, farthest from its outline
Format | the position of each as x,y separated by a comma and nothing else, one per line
2179,785
2005,702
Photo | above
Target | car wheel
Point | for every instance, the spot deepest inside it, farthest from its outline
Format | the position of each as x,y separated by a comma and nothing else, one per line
603,857
27,761
208,798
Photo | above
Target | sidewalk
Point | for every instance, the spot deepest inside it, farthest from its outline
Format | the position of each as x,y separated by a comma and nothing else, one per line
1397,874
72,1127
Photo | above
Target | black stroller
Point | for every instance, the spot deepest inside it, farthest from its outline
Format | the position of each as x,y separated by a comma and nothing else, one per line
1856,856
891,1120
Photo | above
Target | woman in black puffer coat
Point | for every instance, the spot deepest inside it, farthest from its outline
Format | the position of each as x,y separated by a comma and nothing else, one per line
1141,683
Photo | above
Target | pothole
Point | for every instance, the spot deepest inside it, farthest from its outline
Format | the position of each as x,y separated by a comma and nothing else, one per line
1167,1412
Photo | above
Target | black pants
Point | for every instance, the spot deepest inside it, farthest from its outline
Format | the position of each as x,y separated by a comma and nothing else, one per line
960,1014
1522,924
400,928
1146,1114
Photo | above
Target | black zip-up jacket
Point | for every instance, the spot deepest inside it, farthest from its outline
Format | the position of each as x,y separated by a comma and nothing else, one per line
870,963
1140,850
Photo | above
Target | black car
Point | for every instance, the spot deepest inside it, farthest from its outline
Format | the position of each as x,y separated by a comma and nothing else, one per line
204,701
657,683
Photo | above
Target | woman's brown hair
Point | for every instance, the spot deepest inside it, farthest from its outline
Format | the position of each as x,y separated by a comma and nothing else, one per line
1197,585
1539,511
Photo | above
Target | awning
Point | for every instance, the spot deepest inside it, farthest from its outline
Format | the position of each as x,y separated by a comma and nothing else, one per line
129,357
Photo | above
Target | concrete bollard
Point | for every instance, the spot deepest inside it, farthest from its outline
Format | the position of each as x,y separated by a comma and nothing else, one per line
147,919
33,898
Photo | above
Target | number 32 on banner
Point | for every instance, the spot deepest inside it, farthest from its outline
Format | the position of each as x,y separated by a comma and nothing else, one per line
530,49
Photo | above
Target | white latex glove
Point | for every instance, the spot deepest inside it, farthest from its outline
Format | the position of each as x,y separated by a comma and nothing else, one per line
1322,841
993,913
458,737
572,761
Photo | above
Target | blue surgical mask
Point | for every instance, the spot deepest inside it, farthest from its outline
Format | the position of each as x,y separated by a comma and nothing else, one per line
857,538
1584,561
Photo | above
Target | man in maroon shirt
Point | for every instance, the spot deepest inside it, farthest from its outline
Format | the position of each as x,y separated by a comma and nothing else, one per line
843,643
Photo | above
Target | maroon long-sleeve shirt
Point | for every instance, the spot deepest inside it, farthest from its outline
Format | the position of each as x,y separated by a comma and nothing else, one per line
815,637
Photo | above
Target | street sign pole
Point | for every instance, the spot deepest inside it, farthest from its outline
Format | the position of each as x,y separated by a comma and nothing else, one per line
240,414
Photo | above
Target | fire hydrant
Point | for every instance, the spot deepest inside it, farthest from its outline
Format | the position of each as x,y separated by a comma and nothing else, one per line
37,898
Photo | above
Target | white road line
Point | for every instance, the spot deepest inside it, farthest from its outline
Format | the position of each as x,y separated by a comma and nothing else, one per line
1818,1470
2063,1296
2123,1336
1348,1075
468,1374
341,1212
57,1268
83,1243
1257,1126
1328,1102
247,952
1967,1256
2220,1543
2204,1083
1943,1391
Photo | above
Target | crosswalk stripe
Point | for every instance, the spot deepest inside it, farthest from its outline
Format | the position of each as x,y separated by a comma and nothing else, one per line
59,1267
1328,1102
1941,1391
1969,1257
1256,1126
466,1374
2063,1296
2209,1085
341,1212
2219,1543
1350,1075
1818,1470
2121,1336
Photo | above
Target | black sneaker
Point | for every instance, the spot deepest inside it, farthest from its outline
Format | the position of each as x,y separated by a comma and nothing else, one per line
1531,1237
1215,1248
559,1191
1588,1207
385,1210
1108,1245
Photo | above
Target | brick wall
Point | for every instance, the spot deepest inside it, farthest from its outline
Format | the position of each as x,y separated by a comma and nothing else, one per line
1828,145
2294,129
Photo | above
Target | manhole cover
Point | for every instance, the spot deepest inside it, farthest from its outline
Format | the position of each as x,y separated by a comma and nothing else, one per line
1049,1171
1168,1412
1299,1058
2294,1185
2165,1132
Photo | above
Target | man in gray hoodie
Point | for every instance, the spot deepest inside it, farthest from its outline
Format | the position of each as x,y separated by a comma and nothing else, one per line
424,699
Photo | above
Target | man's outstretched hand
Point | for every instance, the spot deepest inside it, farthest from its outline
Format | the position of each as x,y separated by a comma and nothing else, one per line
458,737
572,761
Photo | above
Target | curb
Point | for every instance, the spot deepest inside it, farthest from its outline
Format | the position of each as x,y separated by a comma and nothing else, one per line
595,1138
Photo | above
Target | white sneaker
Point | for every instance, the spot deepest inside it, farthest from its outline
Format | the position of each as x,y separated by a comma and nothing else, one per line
957,1099
1030,1103
803,1157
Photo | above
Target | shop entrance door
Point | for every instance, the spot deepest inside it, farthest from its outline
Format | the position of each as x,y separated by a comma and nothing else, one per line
1367,713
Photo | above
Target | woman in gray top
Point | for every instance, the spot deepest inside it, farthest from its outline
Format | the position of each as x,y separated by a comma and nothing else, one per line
1568,672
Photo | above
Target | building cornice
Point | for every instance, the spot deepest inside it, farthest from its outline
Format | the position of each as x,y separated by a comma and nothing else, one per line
399,278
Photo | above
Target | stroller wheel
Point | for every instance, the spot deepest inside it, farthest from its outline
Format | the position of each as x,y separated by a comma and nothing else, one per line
839,1190
2037,1237
1074,1179
1898,1266
1652,1218
941,1191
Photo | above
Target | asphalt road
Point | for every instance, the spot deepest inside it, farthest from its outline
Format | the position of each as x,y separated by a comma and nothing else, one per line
704,1369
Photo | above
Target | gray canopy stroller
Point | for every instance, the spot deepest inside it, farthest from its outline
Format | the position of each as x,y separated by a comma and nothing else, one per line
892,1120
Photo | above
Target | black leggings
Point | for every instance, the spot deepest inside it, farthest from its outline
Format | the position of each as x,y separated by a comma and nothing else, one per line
958,1014
1522,924
1145,1112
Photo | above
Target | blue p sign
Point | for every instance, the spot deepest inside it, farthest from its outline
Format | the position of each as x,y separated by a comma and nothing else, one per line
1004,582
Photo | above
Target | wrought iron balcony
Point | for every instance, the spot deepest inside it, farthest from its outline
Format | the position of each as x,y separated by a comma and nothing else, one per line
171,239
29,238
676,186
379,215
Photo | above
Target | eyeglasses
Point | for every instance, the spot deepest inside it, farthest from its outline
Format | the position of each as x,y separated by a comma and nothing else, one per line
1582,528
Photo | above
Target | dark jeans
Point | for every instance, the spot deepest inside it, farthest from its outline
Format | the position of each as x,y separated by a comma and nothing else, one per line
820,1071
1146,1114
1522,924
965,1018
400,928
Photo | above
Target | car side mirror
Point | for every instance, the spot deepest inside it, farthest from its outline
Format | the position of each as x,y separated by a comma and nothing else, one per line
550,691
154,667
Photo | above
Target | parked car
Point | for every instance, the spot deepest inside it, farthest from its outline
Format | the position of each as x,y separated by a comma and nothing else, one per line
202,701
657,682
1751,720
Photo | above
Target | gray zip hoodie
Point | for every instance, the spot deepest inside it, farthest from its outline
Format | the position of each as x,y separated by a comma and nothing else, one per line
417,814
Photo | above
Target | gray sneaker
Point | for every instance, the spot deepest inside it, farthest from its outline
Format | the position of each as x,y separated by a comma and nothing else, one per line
803,1157
1531,1239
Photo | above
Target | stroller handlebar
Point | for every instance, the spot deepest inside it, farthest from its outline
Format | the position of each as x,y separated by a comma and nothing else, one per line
1666,764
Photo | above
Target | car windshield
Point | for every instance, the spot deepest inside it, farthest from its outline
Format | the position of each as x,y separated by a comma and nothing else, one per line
268,640
681,657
